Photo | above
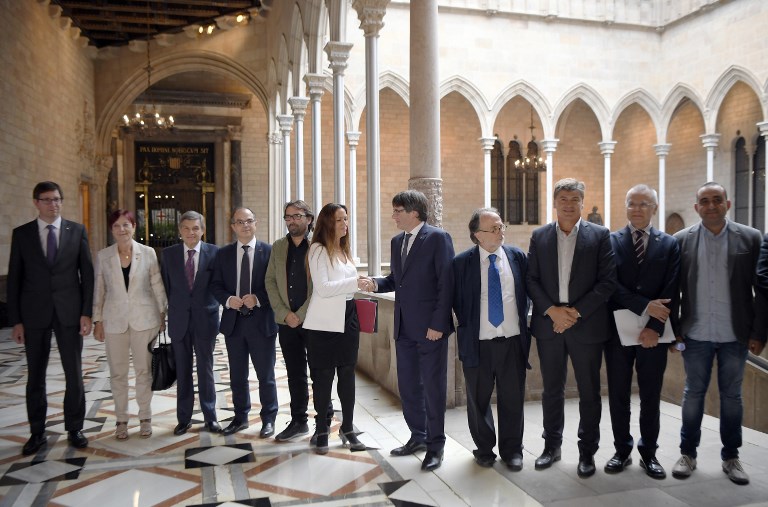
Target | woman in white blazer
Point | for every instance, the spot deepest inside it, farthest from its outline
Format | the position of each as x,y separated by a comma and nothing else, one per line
333,331
129,305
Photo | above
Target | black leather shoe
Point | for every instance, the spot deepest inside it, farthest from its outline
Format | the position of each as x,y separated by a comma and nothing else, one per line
586,466
549,456
321,443
267,430
213,426
617,463
653,468
293,430
515,463
234,427
313,439
36,442
409,448
77,439
484,461
181,428
432,460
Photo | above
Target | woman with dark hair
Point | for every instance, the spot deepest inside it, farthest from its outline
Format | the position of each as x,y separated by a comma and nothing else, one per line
129,306
333,329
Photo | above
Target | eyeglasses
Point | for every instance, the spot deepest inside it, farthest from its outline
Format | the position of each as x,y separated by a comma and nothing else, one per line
297,216
397,211
241,223
639,205
51,200
495,229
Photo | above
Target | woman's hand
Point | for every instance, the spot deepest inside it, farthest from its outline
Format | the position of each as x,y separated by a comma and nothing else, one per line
98,331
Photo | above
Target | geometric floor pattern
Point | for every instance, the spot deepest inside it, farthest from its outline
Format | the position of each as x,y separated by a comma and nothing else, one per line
202,469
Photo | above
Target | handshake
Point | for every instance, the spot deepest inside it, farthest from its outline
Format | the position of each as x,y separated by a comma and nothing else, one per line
366,284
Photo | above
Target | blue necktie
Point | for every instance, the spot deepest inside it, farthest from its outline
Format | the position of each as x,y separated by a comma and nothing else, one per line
495,304
51,245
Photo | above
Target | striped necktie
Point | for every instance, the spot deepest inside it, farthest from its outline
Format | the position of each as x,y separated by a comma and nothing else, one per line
639,246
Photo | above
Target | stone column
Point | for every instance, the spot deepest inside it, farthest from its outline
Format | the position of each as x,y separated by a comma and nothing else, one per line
276,185
235,166
710,142
299,109
352,140
763,128
606,148
338,53
286,122
550,146
488,143
425,107
315,85
662,150
371,15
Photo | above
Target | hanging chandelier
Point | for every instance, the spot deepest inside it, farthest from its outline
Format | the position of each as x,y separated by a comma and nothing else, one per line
532,162
148,120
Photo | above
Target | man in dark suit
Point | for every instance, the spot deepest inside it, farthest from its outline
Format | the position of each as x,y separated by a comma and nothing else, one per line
248,322
421,278
648,272
193,319
571,275
491,306
721,316
50,289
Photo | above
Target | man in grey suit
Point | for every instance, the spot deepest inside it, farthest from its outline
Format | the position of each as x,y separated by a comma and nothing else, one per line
719,318
50,289
571,275
193,319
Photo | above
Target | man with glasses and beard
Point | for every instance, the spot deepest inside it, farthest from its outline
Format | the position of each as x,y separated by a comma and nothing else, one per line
289,288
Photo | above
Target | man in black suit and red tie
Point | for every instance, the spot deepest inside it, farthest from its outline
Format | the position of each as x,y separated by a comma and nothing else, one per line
648,272
247,322
571,275
50,290
193,319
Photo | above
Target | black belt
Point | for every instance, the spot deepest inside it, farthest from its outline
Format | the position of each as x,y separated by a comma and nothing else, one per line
503,338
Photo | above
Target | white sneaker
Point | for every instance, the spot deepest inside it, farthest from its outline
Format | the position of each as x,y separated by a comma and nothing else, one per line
685,466
735,472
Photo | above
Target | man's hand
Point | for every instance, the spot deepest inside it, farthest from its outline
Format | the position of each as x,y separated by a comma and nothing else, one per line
292,320
234,302
673,345
365,284
648,338
756,347
562,317
251,301
18,334
658,310
85,325
433,335
98,331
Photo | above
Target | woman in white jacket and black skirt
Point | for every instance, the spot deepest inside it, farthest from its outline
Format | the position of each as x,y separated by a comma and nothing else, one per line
333,330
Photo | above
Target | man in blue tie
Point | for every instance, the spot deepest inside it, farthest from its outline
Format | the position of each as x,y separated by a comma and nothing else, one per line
491,306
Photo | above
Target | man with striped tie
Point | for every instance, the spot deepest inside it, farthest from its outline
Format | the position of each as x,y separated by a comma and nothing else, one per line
648,269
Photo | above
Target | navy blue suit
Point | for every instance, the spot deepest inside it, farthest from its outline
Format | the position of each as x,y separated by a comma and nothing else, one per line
193,323
422,300
245,336
593,280
501,362
657,277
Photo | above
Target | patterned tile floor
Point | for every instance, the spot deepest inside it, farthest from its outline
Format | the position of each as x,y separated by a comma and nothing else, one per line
201,469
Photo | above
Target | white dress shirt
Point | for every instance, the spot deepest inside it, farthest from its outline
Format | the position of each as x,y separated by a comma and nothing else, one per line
42,227
511,324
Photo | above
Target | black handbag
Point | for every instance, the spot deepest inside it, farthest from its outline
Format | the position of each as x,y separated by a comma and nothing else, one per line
163,363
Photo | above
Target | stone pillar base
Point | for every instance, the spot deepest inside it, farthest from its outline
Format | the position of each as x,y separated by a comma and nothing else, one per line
433,189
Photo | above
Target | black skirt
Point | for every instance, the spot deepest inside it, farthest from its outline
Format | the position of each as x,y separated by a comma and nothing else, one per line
328,349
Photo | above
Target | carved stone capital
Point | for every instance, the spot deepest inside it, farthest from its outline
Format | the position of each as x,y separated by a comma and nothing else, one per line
710,141
353,138
286,123
103,166
338,54
235,132
487,143
549,145
275,138
298,107
315,85
763,128
371,15
433,189
607,147
662,150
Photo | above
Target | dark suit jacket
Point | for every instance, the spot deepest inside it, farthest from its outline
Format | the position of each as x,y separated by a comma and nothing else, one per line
747,305
224,284
36,288
197,307
423,286
762,268
466,301
658,277
593,280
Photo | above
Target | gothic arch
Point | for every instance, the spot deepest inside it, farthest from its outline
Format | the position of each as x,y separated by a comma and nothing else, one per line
297,50
643,99
721,88
474,96
590,97
533,96
387,79
283,74
175,63
316,25
672,101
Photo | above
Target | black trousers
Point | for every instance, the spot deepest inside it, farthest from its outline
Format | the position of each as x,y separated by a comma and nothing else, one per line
502,364
586,359
650,365
37,345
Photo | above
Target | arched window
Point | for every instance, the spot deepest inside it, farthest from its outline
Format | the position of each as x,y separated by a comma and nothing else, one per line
498,177
758,182
515,182
741,165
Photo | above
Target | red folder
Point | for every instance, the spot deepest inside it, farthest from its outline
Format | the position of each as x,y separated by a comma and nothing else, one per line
367,315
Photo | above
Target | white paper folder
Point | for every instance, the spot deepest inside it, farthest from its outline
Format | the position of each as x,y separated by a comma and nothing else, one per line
629,325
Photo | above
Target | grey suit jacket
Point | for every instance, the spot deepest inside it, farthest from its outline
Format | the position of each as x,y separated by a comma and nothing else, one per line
276,281
743,252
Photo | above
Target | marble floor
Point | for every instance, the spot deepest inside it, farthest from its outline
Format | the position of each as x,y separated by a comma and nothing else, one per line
201,469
